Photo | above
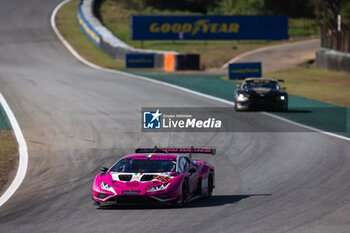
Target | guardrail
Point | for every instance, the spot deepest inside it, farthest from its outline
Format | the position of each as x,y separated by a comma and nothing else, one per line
87,28
117,49
104,39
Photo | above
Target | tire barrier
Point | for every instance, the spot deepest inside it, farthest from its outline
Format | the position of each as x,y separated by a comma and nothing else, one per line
187,62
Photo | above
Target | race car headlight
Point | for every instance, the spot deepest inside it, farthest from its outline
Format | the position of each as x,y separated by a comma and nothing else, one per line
282,97
158,188
107,187
242,97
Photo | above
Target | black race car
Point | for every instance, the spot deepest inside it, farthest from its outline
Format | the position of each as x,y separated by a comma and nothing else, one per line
261,94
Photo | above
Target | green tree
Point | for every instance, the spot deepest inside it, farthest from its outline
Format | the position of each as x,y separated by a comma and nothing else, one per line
328,10
293,8
239,7
184,5
345,12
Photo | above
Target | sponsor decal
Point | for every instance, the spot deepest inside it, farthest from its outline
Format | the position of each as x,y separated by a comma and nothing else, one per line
164,179
131,192
199,26
132,184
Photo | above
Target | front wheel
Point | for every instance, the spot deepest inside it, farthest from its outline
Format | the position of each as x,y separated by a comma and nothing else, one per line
284,108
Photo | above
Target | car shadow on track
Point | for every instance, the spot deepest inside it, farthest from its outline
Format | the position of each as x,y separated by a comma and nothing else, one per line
219,200
215,200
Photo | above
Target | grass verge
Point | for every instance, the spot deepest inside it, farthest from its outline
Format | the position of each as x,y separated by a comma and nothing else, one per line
8,156
318,84
67,24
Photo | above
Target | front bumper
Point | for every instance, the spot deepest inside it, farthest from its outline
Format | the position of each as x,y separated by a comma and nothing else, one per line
260,105
156,199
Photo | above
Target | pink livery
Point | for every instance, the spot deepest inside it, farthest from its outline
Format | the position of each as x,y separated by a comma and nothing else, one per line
155,176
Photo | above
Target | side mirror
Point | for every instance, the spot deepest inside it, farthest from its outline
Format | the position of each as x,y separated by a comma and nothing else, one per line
192,170
104,170
238,86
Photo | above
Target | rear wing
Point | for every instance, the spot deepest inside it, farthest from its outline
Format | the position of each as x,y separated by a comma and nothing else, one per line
189,151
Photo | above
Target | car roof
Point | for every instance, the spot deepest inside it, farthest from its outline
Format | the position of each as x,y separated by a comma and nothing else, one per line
153,155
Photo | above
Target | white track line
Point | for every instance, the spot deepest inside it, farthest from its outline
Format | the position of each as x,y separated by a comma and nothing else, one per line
77,56
23,153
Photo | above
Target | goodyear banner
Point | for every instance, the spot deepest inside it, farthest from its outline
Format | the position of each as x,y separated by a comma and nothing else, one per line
139,60
147,27
244,70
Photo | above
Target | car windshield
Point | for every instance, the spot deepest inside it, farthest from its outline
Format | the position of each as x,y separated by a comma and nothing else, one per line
261,84
144,165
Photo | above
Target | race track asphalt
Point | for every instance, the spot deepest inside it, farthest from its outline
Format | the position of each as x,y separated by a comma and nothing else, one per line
76,119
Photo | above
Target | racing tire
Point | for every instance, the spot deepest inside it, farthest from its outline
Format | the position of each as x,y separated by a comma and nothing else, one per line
184,194
284,108
210,184
236,108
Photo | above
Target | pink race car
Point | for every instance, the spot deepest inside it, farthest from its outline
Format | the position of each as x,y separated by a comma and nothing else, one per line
155,176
